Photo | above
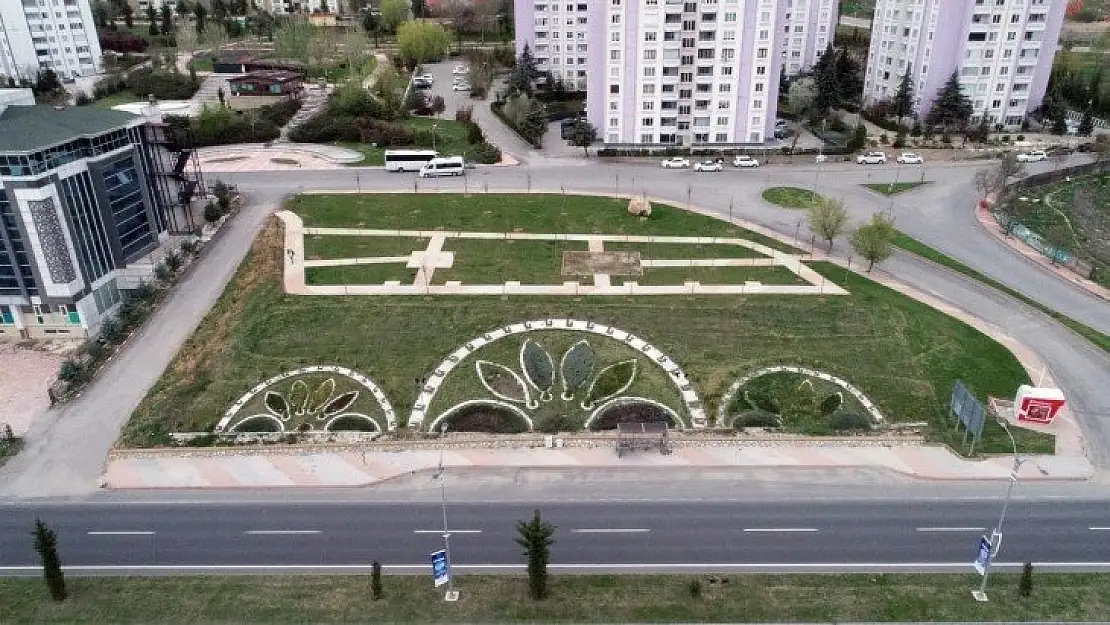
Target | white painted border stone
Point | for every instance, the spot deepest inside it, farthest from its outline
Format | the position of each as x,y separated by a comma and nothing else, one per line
694,407
620,401
722,410
481,402
378,394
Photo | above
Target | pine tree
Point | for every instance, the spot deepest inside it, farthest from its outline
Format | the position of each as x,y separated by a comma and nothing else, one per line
952,109
824,74
128,15
1025,585
167,20
849,85
376,580
1087,124
151,16
902,104
46,544
535,537
1059,121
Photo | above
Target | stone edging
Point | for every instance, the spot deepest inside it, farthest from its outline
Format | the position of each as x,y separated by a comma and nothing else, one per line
734,388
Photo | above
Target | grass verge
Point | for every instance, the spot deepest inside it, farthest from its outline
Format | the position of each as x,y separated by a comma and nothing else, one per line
450,140
791,197
716,275
582,598
122,97
892,188
917,247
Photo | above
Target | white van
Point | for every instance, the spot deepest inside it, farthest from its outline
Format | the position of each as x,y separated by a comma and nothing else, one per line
445,166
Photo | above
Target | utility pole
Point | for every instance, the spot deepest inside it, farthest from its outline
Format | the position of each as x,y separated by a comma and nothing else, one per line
996,533
441,475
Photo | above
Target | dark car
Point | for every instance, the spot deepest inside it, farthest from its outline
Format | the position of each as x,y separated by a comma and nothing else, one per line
566,127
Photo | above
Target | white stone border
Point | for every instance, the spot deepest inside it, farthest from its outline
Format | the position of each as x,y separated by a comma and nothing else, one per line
722,410
379,395
677,376
482,402
620,401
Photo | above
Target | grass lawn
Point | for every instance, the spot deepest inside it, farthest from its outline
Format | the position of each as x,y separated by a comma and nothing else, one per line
578,598
360,274
716,275
450,140
123,97
9,448
917,247
319,246
902,354
202,63
494,262
791,197
892,188
670,251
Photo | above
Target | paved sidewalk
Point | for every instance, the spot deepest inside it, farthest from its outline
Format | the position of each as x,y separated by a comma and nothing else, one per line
248,157
221,468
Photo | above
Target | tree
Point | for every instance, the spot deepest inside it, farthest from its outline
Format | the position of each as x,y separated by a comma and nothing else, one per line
420,8
534,125
1101,148
952,109
200,13
100,14
371,23
1025,585
221,96
583,135
827,219
859,138
1087,124
167,20
1059,121
824,76
784,83
376,580
536,537
902,104
393,12
324,6
152,17
849,78
422,40
46,544
520,80
214,37
802,95
875,240
128,15
181,9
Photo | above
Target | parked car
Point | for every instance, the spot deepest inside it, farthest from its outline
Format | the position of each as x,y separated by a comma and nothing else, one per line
1032,157
426,78
675,162
780,123
910,158
460,70
566,127
420,83
717,165
460,86
742,160
871,158
782,132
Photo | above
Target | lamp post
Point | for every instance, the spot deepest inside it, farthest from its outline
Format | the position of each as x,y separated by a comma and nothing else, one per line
452,594
996,533
434,126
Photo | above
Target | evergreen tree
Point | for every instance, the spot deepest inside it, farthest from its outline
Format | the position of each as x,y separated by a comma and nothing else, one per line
1087,124
151,16
849,86
200,13
376,580
952,109
583,135
520,80
1025,584
784,83
1059,121
902,104
46,544
535,122
536,537
128,15
181,8
824,75
167,20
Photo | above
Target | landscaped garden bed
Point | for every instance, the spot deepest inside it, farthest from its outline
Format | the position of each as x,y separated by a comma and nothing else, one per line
901,355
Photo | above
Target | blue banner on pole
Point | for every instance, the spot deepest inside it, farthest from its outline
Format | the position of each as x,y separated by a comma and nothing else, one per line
983,558
441,567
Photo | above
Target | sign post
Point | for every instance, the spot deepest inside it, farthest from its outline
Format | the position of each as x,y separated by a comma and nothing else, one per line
982,565
441,567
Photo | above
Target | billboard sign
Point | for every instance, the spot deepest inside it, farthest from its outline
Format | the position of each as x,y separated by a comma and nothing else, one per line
1038,405
969,411
441,567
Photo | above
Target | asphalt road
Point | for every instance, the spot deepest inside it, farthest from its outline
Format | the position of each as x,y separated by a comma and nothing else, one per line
884,535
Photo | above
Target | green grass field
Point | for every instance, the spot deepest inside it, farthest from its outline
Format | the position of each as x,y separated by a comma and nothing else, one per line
893,188
318,246
123,97
716,275
573,598
671,251
450,140
901,353
791,197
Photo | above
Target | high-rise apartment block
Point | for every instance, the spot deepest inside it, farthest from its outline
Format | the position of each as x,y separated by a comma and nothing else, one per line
1001,49
692,72
48,34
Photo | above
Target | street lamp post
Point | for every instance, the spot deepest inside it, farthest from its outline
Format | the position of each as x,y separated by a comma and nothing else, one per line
434,126
452,594
996,533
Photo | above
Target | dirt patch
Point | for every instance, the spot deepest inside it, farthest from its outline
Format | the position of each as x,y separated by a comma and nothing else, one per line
612,263
29,367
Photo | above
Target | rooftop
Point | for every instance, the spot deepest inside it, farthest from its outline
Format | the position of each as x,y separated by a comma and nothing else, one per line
27,128
276,75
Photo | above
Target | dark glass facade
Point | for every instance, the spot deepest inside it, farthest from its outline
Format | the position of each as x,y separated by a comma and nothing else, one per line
125,198
44,160
14,262
93,245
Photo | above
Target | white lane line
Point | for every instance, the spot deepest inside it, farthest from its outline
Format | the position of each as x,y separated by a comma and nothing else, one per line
279,532
1099,529
951,529
448,531
780,529
121,533
612,530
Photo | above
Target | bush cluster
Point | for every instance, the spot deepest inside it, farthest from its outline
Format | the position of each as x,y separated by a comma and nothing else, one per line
163,85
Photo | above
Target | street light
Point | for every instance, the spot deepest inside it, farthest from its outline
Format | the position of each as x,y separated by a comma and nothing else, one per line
996,533
434,126
440,474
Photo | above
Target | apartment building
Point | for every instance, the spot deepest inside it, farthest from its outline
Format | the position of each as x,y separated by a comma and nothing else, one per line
88,198
1001,49
809,28
556,32
278,7
48,34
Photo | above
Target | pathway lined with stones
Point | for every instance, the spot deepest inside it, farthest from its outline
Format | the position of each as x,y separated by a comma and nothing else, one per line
433,257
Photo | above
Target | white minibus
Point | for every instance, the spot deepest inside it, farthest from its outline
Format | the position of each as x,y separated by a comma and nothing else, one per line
408,160
446,166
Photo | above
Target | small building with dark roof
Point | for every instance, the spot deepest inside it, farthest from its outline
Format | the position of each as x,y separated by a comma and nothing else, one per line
272,82
246,62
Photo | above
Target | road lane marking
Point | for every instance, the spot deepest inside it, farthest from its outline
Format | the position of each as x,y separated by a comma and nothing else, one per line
1099,529
279,532
780,529
611,530
448,531
122,533
951,529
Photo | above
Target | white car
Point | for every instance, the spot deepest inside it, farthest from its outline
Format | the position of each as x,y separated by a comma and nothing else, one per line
460,70
1032,157
743,160
709,166
871,158
460,86
910,158
426,78
676,162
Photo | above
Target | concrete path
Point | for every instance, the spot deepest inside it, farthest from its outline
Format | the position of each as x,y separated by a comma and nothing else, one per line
249,157
352,467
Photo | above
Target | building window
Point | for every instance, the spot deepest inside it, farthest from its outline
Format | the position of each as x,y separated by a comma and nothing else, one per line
121,180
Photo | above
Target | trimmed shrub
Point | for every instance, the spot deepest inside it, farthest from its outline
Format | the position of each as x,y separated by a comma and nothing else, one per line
831,404
485,154
556,423
212,213
756,419
850,421
110,330
279,113
162,84
70,371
